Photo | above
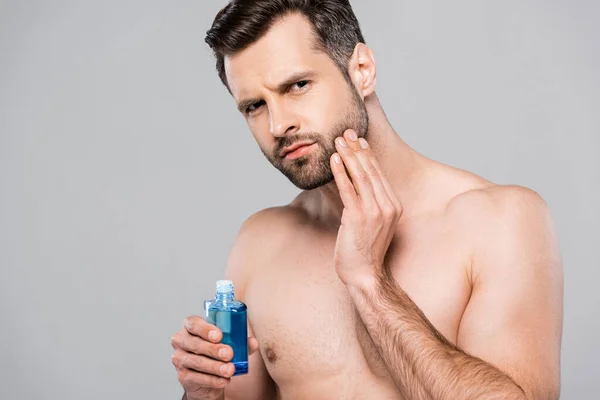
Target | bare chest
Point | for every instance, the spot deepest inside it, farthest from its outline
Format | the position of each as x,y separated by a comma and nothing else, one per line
307,323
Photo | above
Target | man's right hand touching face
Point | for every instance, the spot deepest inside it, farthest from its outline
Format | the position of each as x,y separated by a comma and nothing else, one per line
202,362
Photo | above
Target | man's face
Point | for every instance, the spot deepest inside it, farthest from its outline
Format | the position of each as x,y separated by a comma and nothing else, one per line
293,95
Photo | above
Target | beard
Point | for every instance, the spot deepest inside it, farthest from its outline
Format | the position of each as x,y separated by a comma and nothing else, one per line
313,170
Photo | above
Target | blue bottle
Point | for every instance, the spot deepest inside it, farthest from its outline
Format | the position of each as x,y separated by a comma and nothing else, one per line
229,315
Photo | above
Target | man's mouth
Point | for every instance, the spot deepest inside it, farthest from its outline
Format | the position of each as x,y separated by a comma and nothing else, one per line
296,150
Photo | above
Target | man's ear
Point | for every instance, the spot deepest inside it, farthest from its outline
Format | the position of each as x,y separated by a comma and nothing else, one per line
362,70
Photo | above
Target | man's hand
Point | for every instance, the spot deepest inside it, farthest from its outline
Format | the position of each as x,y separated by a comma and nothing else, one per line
371,210
202,362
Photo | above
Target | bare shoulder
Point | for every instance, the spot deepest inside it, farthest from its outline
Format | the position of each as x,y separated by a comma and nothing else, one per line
507,227
260,238
271,225
497,203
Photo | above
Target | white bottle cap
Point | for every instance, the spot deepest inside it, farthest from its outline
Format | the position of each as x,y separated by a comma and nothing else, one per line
224,286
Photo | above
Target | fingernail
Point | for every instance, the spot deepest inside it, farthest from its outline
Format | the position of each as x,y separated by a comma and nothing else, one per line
352,136
188,325
213,335
224,369
223,353
363,143
342,142
337,159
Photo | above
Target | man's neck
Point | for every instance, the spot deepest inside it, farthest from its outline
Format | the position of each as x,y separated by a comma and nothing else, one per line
403,167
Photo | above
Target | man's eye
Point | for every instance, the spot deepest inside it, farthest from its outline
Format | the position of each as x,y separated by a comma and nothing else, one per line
254,106
300,85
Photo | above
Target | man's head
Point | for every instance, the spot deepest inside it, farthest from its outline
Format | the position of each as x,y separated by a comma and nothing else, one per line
299,74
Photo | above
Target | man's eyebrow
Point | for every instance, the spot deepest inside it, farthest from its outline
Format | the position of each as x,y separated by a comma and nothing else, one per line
281,87
295,78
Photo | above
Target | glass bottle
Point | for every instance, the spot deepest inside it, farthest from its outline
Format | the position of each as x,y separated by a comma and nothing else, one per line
229,315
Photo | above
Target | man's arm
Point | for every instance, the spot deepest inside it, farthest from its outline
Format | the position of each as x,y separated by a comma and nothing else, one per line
509,337
197,373
244,258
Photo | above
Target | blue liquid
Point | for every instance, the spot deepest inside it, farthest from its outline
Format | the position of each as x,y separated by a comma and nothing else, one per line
230,317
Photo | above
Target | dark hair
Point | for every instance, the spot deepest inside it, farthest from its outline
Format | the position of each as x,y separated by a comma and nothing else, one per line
242,22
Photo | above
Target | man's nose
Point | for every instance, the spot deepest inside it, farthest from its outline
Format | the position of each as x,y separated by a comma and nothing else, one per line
282,121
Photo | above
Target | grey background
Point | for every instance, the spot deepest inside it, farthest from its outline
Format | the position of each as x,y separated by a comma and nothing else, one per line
125,170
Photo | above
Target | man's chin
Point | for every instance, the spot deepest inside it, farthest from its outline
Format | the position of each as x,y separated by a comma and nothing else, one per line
307,173
311,184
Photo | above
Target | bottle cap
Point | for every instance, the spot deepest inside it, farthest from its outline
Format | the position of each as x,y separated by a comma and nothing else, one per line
224,286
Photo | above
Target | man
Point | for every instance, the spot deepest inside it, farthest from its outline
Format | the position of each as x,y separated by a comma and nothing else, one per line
391,276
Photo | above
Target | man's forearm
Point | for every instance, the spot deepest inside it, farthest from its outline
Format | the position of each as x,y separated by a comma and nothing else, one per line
422,362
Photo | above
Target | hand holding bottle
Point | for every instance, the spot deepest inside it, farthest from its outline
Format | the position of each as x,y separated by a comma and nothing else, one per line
202,361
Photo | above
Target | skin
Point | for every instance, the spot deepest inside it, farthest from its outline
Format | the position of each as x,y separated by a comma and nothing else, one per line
402,278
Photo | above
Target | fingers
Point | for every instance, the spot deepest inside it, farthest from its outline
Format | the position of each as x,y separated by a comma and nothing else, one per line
193,381
199,327
367,179
253,345
193,344
346,147
343,182
182,359
367,160
202,362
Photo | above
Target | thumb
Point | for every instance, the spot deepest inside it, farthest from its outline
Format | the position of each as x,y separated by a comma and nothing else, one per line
252,345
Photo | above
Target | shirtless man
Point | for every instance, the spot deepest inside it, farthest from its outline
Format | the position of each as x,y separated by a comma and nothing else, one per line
391,276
